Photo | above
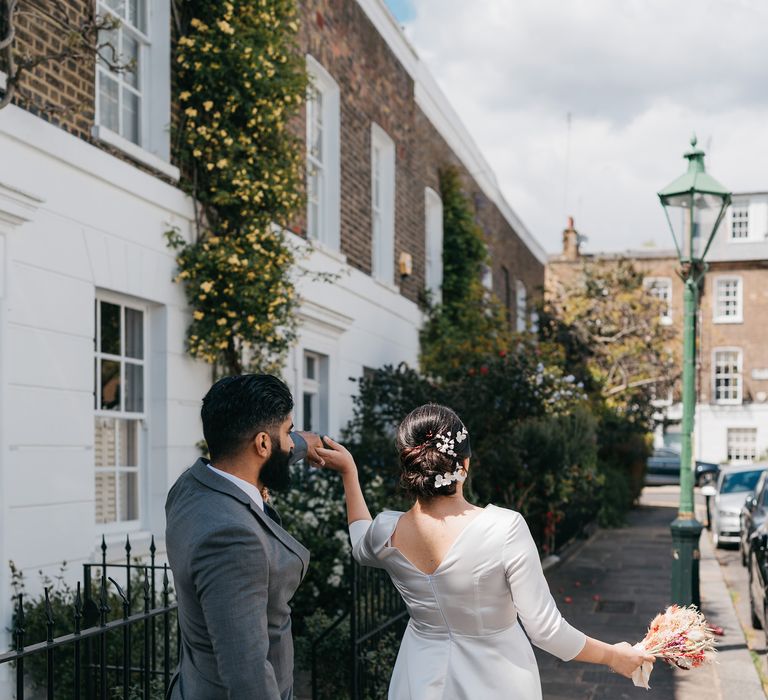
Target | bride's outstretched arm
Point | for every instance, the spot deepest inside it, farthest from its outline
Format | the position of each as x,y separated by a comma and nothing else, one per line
339,459
622,657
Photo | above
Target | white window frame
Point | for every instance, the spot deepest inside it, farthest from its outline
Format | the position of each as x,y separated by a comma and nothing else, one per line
154,147
521,307
433,244
318,388
744,430
739,215
382,205
717,317
326,230
654,285
139,416
739,376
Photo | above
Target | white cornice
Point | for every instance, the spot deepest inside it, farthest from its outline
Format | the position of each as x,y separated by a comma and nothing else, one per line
433,102
16,207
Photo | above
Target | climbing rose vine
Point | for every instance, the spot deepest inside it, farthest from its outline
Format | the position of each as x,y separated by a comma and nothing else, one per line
240,82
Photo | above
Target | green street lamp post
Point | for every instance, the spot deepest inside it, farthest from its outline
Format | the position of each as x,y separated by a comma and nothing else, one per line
694,204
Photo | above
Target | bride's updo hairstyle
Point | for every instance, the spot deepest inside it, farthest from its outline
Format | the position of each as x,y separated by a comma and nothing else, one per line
433,444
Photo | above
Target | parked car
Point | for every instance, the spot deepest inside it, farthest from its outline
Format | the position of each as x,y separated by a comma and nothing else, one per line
758,578
754,511
734,485
663,467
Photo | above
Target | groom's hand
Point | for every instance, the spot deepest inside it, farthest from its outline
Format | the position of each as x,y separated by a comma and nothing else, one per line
314,442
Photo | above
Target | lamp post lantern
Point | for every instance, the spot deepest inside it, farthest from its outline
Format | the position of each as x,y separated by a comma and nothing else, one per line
695,204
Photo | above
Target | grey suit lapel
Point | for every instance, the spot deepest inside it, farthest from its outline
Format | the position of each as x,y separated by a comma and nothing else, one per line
208,478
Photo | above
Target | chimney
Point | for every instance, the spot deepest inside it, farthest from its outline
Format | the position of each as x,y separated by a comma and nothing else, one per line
571,242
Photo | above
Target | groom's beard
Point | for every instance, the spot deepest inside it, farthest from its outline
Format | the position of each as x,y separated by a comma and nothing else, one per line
276,471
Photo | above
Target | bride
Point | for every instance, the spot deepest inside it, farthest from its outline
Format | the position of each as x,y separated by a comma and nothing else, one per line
466,574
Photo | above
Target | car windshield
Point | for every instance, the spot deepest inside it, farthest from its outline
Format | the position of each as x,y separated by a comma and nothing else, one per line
740,482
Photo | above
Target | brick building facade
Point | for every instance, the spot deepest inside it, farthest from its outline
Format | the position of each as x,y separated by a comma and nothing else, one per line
83,210
731,422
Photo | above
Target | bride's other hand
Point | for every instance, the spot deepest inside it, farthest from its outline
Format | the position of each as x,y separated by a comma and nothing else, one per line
314,442
626,659
336,457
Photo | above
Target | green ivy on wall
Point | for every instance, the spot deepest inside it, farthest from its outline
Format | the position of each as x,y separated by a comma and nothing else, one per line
240,80
469,325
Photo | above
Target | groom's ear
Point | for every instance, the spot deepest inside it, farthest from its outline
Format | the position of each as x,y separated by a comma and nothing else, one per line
263,444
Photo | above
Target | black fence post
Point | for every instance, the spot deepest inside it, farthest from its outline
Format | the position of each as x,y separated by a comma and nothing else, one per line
166,632
18,634
145,666
353,632
49,622
103,610
78,626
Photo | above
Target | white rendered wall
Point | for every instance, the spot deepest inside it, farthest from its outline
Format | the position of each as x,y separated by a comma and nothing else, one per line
96,223
99,226
712,423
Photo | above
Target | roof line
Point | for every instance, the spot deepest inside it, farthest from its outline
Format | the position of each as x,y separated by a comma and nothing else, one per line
435,105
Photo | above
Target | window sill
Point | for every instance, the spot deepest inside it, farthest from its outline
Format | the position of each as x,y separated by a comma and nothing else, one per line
730,402
389,286
728,319
135,152
315,245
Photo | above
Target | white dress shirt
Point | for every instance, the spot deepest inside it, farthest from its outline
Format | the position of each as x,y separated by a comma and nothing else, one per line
250,490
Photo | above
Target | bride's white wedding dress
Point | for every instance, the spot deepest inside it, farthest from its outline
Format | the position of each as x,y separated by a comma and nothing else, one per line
463,641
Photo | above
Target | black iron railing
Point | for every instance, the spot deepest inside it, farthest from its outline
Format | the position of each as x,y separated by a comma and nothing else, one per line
123,641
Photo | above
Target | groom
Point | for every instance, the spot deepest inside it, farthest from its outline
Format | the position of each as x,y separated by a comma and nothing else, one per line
234,567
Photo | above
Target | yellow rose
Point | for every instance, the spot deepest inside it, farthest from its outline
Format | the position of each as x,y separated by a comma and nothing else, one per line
222,321
199,315
185,95
207,105
206,286
190,112
225,26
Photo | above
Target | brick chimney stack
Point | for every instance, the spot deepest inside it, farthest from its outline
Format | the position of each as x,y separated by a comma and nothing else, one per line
571,242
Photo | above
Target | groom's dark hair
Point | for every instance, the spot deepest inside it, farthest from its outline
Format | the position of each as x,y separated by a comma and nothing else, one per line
236,408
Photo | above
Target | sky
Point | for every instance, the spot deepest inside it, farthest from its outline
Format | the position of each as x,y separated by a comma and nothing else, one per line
585,107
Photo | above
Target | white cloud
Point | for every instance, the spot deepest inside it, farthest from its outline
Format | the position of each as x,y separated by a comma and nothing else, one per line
638,77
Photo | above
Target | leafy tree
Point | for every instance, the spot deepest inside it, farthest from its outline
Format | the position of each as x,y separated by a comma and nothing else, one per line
610,328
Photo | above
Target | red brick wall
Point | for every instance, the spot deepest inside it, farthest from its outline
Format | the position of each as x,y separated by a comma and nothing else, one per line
375,87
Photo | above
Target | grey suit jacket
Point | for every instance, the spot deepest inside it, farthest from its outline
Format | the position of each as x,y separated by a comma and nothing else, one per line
235,570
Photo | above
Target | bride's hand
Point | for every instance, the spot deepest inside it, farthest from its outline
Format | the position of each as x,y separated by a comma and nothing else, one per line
626,659
337,457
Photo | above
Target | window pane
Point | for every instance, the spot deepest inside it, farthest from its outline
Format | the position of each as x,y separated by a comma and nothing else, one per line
110,328
310,364
134,388
308,400
105,442
129,496
118,6
110,385
131,56
134,334
109,48
137,14
108,102
129,443
106,497
131,106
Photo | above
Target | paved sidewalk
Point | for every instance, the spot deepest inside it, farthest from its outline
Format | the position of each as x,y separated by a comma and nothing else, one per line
616,582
